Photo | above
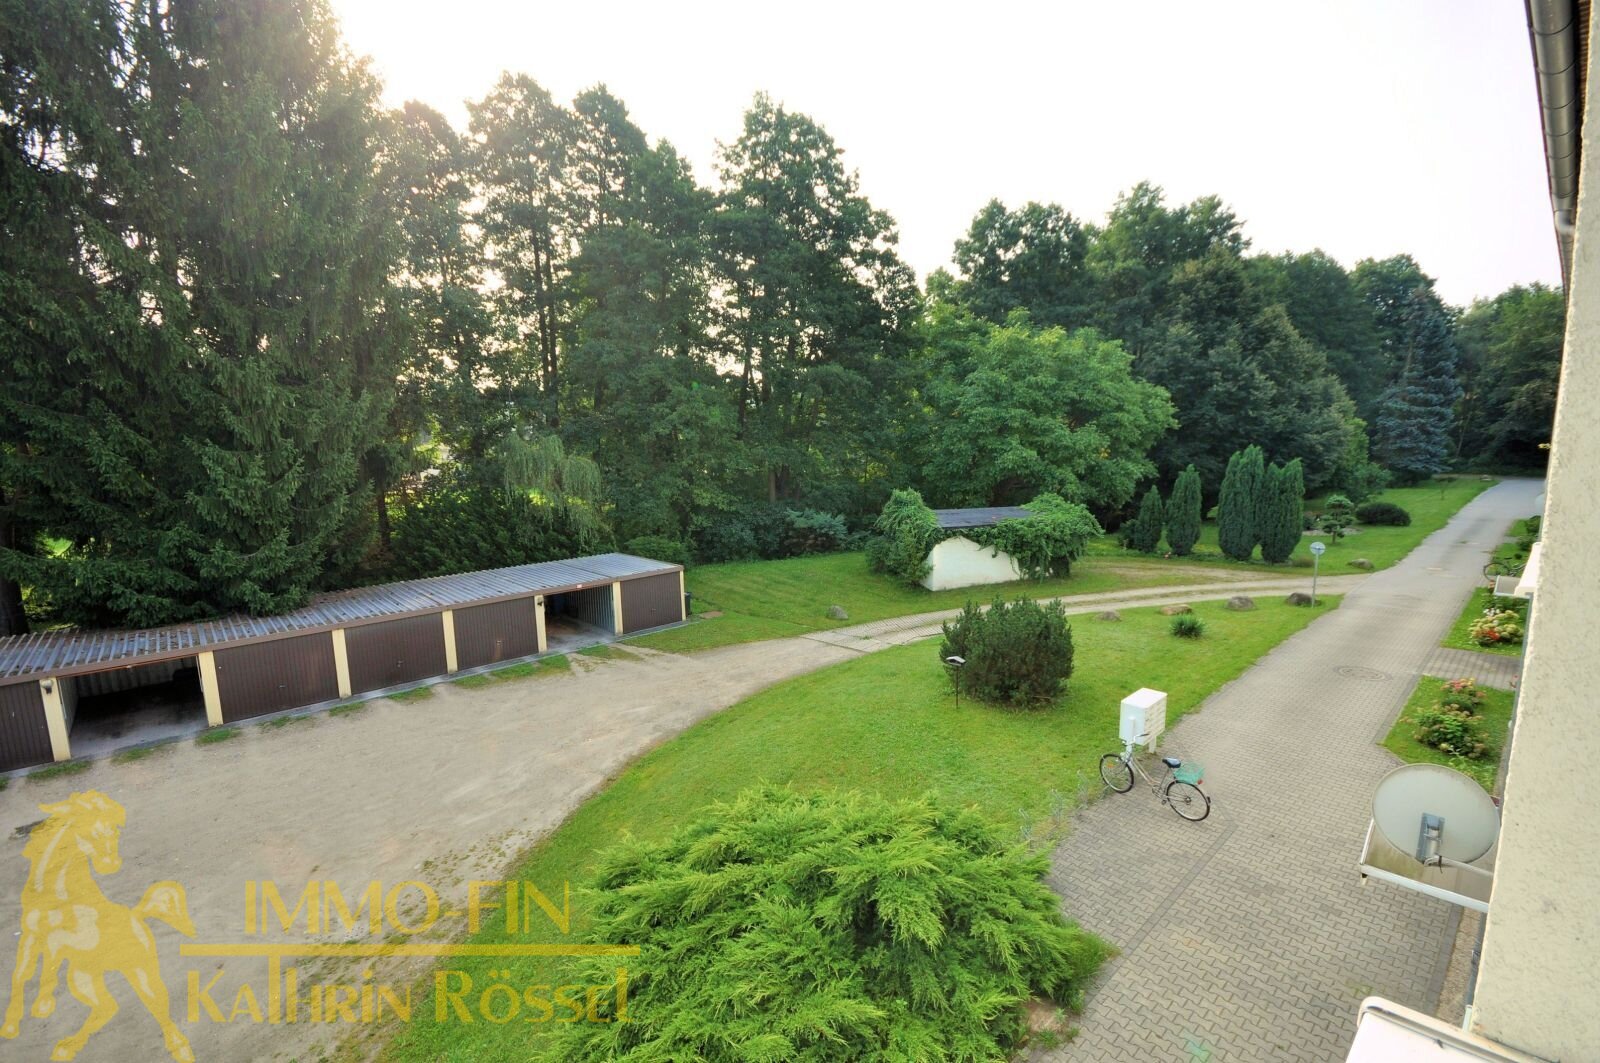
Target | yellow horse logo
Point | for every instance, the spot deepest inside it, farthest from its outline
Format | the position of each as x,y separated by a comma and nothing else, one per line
66,917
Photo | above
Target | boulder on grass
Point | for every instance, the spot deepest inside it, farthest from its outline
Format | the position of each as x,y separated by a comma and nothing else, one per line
836,612
1360,562
1298,598
1175,610
1241,603
1109,614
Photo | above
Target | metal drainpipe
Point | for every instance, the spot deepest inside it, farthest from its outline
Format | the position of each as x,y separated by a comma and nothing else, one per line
1553,30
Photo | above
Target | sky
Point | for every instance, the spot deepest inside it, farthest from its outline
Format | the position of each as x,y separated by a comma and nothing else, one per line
1364,127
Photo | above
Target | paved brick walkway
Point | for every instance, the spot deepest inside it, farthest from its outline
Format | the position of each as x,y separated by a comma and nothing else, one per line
1489,669
1249,936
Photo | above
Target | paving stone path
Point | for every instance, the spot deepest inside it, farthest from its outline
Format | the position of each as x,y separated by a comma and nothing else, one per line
1249,936
1489,669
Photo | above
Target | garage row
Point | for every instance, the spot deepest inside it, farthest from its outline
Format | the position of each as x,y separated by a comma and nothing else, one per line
74,694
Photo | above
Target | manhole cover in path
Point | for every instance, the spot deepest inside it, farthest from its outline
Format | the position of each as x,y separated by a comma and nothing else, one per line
1355,671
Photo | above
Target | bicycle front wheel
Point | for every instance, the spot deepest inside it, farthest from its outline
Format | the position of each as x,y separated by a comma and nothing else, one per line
1116,772
1187,800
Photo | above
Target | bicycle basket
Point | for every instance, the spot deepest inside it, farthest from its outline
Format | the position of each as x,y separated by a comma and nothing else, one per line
1190,773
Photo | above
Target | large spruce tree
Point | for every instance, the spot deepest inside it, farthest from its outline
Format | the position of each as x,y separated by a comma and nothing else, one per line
1184,513
1416,413
198,251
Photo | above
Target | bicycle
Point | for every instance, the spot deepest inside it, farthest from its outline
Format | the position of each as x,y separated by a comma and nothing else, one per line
1501,567
1178,789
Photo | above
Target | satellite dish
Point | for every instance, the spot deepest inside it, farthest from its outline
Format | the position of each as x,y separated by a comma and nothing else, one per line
1436,812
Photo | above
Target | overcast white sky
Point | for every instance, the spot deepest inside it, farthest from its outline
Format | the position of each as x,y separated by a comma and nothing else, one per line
1364,127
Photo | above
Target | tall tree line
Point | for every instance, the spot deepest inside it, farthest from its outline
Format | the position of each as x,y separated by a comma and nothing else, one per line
262,336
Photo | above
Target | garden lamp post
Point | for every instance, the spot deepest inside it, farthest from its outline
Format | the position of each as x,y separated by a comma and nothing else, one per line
955,664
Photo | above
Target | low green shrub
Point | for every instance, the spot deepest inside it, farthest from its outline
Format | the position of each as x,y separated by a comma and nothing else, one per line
1047,543
1452,724
810,531
1386,513
902,536
1188,626
770,531
658,548
806,927
1496,627
1016,653
1450,731
1337,515
1463,695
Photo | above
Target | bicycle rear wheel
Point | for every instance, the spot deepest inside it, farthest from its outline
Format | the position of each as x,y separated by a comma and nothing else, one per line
1187,800
1116,772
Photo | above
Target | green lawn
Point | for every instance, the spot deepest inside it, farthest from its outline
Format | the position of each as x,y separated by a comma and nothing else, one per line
1457,638
1496,713
1431,506
774,599
888,723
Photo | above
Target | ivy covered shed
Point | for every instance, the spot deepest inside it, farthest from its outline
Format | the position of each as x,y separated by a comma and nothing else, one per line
958,561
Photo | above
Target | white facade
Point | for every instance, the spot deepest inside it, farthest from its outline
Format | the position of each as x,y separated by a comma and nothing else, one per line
959,562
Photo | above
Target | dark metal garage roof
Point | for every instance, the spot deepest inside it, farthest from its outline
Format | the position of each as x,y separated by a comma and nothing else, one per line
71,652
979,518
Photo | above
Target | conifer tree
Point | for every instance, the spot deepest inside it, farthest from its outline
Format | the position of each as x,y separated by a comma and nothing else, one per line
1415,415
194,326
1144,531
1239,504
1183,513
1282,490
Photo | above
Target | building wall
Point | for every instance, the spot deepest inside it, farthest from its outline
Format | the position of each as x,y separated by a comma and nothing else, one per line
116,680
960,562
24,732
499,632
592,606
395,651
1541,950
652,601
264,677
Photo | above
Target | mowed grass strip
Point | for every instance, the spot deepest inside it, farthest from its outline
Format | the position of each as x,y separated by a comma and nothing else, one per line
1457,637
777,599
1496,713
1431,506
886,722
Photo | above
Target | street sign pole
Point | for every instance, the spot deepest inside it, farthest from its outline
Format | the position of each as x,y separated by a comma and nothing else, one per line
1316,560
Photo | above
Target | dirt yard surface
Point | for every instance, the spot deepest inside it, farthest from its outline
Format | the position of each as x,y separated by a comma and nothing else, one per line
442,789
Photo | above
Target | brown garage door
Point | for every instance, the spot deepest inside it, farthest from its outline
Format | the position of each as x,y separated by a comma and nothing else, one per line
489,633
271,676
24,734
651,601
395,651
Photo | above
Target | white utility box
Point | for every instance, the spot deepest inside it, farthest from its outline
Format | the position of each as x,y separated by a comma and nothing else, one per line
1144,717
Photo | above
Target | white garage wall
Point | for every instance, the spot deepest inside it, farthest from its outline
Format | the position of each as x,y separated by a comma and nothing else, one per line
960,562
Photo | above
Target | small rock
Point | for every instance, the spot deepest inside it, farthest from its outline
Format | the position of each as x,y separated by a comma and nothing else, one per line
1297,598
1241,603
1361,563
836,612
1175,610
1109,614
